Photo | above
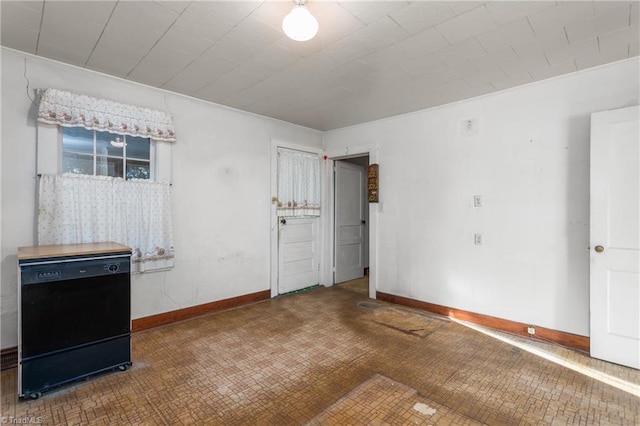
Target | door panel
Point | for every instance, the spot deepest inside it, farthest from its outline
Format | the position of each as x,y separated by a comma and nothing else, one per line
622,297
615,233
624,185
297,253
350,203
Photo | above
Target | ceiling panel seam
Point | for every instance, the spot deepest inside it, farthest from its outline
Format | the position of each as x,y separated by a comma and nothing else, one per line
101,34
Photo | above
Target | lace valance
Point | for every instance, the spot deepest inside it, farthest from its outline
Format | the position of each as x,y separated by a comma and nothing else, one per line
72,110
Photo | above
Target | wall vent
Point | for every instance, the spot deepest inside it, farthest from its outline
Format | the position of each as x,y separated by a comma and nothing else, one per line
9,358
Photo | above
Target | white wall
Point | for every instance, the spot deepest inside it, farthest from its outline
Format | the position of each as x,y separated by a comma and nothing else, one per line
529,160
221,188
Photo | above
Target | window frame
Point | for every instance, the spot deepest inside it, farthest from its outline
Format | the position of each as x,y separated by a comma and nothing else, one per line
49,153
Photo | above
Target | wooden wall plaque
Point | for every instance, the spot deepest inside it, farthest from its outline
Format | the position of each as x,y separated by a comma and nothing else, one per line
372,183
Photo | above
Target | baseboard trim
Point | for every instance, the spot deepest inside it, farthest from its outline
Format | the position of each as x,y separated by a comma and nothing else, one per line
546,334
198,310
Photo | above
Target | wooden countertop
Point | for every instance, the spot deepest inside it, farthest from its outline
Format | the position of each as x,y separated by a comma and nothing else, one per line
38,252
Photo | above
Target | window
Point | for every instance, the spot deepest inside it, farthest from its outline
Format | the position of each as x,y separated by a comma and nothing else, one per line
298,183
91,152
87,147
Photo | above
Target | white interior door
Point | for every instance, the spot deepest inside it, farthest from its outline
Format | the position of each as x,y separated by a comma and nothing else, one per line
350,221
297,253
615,236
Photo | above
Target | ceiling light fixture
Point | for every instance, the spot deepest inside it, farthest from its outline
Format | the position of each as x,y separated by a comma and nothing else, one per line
118,143
300,24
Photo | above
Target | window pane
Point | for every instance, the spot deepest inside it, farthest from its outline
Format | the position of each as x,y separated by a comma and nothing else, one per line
109,144
110,149
138,147
77,163
106,166
77,139
138,169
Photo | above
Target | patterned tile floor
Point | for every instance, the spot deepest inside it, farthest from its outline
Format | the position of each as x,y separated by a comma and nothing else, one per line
382,401
304,358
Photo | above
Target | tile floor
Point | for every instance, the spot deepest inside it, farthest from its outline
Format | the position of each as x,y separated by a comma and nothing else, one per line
332,356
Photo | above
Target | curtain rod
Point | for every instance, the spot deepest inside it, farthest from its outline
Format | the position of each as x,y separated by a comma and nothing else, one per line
40,175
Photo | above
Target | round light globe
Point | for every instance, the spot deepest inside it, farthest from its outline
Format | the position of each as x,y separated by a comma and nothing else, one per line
300,24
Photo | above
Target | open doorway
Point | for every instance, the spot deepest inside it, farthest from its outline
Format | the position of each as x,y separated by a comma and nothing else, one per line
351,219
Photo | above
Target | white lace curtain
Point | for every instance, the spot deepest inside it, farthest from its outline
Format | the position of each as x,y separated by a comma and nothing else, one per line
72,110
84,209
298,183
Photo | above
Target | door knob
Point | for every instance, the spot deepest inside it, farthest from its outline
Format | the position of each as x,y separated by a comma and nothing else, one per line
364,222
599,249
283,221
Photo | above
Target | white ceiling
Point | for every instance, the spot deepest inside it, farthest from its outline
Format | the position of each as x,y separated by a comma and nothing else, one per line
370,59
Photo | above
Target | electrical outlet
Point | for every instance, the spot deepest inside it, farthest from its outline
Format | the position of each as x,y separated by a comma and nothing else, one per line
531,330
477,201
477,239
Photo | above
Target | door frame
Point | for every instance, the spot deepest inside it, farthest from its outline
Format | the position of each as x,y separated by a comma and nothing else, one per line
273,221
362,215
328,232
